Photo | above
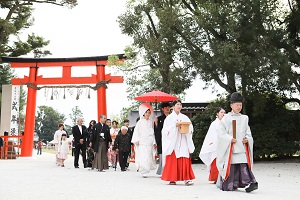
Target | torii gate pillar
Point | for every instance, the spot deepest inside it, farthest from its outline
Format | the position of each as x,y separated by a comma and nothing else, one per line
101,92
100,79
27,141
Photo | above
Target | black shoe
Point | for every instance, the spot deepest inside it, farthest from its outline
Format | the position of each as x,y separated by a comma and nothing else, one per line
252,186
76,166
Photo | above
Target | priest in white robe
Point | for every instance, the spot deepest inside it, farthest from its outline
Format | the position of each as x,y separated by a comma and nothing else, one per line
144,141
177,147
235,155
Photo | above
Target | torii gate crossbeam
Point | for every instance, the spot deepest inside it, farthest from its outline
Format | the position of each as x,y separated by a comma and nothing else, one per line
100,78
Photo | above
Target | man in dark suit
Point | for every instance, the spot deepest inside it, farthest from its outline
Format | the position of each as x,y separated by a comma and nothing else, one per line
79,135
158,126
100,143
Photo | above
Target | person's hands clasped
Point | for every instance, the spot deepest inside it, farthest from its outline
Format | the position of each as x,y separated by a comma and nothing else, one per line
178,125
81,141
245,140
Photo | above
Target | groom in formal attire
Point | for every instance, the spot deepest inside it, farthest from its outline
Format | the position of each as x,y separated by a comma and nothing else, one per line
100,143
79,135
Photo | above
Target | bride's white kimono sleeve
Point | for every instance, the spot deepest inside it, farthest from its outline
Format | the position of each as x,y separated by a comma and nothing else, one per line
134,140
135,136
172,140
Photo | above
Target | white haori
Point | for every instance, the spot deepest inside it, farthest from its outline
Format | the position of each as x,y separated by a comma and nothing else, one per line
224,141
172,140
209,147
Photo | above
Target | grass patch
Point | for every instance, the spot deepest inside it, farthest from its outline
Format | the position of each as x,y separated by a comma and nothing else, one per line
53,151
49,151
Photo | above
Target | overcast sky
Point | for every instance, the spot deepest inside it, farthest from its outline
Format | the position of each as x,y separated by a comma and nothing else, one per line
89,29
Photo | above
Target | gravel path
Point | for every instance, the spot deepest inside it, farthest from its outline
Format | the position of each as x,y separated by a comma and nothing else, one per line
39,178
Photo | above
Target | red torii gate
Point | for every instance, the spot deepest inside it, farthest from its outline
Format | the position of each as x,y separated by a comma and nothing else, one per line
100,79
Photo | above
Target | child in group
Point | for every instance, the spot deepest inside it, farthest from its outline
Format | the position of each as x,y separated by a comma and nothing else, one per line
63,149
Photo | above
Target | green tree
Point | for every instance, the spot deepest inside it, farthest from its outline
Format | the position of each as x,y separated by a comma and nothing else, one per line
287,39
228,43
76,113
274,127
247,45
157,45
68,128
18,17
6,74
46,122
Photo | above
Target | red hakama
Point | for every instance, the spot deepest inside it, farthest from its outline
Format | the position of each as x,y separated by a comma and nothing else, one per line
177,169
213,175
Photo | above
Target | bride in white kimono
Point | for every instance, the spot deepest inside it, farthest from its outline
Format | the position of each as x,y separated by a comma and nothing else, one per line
144,141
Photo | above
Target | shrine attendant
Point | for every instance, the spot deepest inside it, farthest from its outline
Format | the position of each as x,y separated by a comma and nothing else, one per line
177,147
208,153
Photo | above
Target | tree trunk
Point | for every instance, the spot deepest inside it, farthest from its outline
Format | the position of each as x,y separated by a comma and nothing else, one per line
164,71
244,93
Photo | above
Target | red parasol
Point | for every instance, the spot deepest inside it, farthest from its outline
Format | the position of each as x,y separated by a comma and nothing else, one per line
155,96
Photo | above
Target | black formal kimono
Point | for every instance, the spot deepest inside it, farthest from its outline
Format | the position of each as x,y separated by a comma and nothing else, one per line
100,143
157,132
